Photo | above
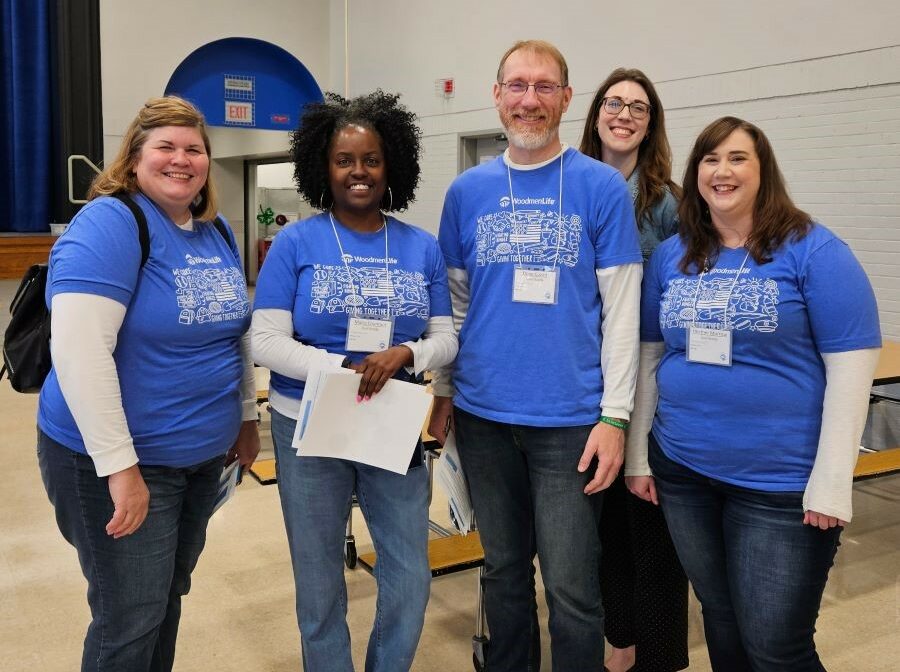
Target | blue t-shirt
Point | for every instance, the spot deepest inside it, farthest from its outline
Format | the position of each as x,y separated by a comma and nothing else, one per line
178,350
756,423
526,363
305,275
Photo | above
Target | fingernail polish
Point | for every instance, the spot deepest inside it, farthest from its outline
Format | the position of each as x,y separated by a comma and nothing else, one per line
358,398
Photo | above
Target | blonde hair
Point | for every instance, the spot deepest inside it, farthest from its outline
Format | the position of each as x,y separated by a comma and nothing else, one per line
536,47
119,175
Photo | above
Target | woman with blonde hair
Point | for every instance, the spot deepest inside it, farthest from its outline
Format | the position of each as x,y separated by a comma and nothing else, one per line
151,391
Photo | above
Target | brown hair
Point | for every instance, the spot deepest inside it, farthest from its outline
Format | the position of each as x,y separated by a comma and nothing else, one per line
775,217
119,175
536,47
654,154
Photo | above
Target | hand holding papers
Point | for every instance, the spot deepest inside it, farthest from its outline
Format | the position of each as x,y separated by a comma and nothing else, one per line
228,481
451,478
381,432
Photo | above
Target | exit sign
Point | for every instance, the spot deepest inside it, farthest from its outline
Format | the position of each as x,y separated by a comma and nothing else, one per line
238,113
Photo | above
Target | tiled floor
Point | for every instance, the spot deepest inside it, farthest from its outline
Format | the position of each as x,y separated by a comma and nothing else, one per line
239,615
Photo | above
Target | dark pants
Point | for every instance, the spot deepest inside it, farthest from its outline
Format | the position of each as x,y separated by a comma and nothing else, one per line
645,591
135,583
528,497
758,571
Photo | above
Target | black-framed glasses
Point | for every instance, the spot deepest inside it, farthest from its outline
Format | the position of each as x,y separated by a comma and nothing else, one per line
518,88
614,105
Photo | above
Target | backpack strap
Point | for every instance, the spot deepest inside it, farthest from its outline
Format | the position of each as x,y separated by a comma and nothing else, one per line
222,229
143,231
141,219
228,235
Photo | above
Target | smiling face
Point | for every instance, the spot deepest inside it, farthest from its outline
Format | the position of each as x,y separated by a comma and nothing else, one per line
622,134
728,180
357,171
172,168
531,120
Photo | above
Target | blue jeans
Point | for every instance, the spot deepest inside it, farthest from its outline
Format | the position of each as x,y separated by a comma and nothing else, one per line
758,571
135,583
529,498
316,495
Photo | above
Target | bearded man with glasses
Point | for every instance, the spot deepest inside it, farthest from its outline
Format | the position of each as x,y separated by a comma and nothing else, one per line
545,268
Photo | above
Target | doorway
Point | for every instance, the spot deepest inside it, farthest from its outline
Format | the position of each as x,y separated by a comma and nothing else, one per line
271,203
477,149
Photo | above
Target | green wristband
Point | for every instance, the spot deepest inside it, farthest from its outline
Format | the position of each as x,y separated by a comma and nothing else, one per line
621,424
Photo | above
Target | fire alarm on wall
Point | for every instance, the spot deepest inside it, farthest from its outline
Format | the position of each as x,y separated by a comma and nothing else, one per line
444,87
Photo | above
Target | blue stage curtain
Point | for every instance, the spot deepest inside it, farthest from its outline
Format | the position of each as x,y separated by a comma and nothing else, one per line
25,123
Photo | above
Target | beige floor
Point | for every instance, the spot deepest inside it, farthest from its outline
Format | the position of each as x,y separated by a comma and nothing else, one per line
239,615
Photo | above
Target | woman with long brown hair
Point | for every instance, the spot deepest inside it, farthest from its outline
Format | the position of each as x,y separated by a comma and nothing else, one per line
759,338
640,576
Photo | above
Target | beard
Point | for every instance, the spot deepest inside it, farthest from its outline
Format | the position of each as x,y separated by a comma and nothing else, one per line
530,137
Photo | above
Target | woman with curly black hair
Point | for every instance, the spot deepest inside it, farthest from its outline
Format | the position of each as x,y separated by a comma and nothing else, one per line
353,287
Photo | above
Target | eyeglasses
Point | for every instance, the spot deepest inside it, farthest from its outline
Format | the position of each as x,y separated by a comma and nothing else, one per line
614,106
518,87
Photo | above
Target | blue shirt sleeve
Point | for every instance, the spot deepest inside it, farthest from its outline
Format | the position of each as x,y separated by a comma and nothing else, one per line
448,233
439,289
98,254
276,285
843,313
616,241
651,295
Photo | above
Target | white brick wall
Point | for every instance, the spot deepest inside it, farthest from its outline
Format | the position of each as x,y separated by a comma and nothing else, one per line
840,155
839,151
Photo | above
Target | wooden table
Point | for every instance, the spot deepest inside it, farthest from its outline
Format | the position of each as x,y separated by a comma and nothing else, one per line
885,461
18,252
888,369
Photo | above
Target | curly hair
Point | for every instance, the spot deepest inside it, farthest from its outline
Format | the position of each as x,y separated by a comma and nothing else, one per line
378,111
654,154
775,217
119,175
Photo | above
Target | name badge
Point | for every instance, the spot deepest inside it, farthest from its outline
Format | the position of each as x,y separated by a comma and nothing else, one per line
709,346
535,285
366,334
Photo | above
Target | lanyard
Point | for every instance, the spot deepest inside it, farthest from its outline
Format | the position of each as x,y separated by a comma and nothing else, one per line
387,273
512,202
730,289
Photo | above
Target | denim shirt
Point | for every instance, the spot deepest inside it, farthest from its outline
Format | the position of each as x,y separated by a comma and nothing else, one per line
659,223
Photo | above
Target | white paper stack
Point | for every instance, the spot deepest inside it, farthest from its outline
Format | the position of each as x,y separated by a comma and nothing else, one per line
382,432
228,481
450,477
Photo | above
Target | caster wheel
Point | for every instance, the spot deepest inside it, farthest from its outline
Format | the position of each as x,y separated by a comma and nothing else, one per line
350,552
479,647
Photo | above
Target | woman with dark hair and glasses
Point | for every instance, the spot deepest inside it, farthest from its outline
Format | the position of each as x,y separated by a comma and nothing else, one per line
322,278
643,586
759,339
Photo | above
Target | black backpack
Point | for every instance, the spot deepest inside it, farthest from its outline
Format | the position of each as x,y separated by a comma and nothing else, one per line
26,343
